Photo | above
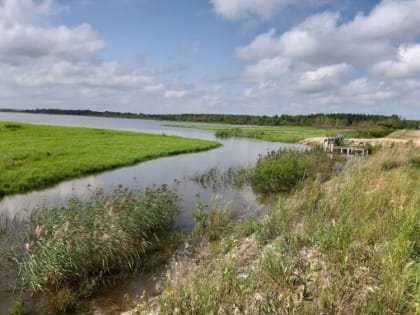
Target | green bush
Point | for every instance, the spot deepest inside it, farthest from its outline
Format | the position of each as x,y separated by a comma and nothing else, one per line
373,132
378,132
281,171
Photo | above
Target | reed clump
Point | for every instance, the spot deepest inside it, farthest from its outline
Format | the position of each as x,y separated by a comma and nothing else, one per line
70,251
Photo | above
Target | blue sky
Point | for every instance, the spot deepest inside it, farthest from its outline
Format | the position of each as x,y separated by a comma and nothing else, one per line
212,56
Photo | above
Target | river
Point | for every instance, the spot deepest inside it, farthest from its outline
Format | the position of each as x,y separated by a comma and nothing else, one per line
174,171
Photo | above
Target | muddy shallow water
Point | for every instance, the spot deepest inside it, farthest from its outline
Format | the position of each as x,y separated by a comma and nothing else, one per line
174,171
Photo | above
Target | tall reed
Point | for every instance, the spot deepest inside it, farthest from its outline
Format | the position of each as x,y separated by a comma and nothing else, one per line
78,246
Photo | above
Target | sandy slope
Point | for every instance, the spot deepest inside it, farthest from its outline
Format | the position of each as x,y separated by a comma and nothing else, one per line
400,136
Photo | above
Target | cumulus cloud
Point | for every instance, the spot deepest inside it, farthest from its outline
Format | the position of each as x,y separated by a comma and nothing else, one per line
406,64
105,75
321,38
327,58
48,64
175,93
264,9
27,12
24,38
322,78
269,68
365,91
236,9
20,43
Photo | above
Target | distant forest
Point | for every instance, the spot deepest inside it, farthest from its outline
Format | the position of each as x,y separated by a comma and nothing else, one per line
373,123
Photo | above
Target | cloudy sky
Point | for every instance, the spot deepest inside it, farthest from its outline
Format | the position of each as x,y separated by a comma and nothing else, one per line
212,56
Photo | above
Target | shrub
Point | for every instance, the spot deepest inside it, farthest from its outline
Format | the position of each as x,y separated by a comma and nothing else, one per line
378,132
281,171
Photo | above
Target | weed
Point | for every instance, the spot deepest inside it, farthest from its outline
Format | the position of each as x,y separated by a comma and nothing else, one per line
17,308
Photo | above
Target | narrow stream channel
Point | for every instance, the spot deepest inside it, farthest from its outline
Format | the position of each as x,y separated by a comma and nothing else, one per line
175,171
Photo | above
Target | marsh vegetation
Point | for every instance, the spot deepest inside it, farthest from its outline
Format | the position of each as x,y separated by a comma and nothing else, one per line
348,245
67,253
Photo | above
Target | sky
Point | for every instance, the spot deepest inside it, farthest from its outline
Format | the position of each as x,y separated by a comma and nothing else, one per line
262,57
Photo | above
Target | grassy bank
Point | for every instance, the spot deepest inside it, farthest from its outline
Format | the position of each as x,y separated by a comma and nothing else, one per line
287,134
69,252
35,156
350,245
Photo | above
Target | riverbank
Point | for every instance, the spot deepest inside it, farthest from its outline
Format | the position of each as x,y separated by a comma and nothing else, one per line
286,134
348,245
397,137
38,156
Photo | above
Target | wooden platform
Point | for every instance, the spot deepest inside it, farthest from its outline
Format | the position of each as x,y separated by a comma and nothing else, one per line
351,149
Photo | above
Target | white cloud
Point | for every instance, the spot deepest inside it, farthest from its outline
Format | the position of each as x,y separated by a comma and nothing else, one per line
324,61
396,19
407,63
236,9
365,91
24,38
106,75
322,39
21,43
263,46
44,64
263,9
322,78
268,69
176,93
27,11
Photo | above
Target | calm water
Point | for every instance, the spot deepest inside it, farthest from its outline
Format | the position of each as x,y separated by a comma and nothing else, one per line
175,171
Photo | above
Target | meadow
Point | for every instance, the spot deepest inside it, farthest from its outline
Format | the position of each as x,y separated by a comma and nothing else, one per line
287,134
36,156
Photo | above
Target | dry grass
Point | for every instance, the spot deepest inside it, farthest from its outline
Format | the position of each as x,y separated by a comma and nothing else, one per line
397,137
348,246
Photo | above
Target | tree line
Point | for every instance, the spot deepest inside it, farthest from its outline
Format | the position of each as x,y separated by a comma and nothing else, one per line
340,120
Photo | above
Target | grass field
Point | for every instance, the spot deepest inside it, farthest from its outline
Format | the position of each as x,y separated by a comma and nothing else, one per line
289,134
35,156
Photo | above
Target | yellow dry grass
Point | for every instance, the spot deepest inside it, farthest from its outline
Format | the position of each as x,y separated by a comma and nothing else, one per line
399,136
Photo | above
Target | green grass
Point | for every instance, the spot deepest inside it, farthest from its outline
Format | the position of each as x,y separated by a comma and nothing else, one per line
284,170
35,156
288,134
348,246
